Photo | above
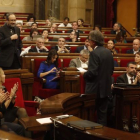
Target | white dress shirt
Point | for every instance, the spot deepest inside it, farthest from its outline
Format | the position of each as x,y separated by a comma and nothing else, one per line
129,79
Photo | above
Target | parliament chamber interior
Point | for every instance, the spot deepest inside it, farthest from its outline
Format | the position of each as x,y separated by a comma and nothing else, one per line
49,56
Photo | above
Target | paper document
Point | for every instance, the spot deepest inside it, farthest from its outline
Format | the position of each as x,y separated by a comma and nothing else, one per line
44,120
81,69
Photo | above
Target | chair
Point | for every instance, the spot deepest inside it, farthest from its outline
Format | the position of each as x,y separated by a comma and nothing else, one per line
66,62
30,106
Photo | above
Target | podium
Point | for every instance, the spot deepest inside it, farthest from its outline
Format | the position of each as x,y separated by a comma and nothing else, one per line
127,108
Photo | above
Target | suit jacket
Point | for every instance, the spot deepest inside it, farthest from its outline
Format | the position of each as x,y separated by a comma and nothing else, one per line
131,51
114,32
56,48
8,47
78,49
79,31
122,79
76,63
35,50
100,69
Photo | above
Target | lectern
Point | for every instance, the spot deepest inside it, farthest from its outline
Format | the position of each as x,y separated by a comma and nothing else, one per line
127,108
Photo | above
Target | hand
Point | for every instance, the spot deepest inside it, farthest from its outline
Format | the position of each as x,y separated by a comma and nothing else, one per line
138,76
90,49
53,70
14,37
43,47
14,90
66,50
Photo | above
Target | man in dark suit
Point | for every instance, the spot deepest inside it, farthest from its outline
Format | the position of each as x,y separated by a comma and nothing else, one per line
10,44
117,28
75,29
98,76
61,48
131,76
39,46
85,47
136,47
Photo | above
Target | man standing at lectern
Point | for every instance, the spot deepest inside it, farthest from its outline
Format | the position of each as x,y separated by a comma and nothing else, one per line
98,75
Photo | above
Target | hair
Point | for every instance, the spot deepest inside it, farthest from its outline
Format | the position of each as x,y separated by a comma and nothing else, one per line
112,41
31,16
134,63
9,14
74,22
86,52
45,30
66,18
19,23
119,35
137,53
33,30
119,24
51,54
1,70
99,26
81,20
63,38
97,37
39,39
34,23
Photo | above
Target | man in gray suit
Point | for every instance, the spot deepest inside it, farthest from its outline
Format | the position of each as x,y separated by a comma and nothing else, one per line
81,61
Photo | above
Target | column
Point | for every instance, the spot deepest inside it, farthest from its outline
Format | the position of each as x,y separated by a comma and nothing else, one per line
76,9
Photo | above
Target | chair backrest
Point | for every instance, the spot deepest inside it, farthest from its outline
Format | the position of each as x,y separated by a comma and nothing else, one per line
9,83
66,62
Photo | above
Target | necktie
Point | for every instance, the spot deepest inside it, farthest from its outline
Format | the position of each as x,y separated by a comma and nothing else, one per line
131,80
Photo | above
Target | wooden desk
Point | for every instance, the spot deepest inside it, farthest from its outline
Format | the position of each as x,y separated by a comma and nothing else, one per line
63,132
10,136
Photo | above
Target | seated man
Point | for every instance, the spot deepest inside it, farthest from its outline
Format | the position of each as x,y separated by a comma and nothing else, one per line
19,25
61,48
65,23
136,47
39,46
53,29
34,25
85,47
81,61
117,28
131,76
48,23
75,28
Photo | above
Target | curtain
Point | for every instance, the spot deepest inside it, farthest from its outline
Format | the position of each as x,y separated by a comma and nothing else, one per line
109,13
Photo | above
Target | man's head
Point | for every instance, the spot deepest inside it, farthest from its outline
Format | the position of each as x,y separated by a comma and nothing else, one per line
31,18
54,28
61,42
11,19
84,55
66,20
131,69
117,27
73,35
96,38
87,42
39,42
34,25
136,44
48,22
75,25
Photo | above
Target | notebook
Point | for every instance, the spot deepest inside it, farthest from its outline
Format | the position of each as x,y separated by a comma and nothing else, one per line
84,125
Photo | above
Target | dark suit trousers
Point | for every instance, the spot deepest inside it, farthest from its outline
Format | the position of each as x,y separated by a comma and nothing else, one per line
102,106
15,65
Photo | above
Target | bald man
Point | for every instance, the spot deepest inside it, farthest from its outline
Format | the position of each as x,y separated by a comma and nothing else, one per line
10,44
136,47
39,46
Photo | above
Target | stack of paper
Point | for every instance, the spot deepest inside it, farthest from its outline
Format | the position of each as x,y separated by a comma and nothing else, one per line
44,120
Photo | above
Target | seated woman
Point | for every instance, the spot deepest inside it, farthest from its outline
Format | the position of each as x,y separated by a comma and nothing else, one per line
9,111
80,22
30,19
111,47
120,38
33,32
49,69
137,59
45,34
73,37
